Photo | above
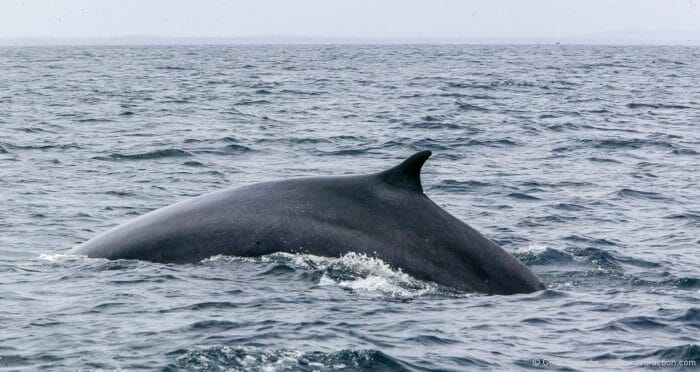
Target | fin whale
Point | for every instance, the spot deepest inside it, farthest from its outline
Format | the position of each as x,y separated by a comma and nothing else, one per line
384,214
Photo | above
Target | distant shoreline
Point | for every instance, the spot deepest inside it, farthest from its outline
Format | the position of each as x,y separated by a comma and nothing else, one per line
280,40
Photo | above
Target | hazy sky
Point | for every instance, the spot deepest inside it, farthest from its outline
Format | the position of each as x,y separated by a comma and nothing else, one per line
342,18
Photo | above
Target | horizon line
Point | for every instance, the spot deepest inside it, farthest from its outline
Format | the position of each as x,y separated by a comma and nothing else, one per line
347,40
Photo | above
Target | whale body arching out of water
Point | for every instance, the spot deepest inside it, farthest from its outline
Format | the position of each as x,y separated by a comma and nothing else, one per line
384,214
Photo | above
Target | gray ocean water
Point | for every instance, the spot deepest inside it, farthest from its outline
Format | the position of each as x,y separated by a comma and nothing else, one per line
581,160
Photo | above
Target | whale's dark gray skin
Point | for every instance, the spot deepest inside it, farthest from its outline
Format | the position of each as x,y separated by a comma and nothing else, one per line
384,214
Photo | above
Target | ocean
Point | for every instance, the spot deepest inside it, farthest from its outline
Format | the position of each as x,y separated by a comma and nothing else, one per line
581,160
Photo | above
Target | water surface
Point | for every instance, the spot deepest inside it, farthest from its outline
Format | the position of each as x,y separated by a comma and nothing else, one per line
583,161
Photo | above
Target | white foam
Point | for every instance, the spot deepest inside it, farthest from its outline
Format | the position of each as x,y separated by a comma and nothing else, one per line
61,257
372,275
532,248
271,359
377,285
366,274
224,258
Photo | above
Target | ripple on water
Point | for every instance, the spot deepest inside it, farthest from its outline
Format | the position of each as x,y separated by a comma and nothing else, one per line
523,196
687,353
635,105
157,154
461,186
538,255
193,164
637,194
236,149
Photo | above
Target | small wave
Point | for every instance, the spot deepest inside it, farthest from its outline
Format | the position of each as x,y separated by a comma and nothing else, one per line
250,102
591,241
539,321
570,207
460,185
194,140
451,84
489,143
35,130
542,255
634,143
230,139
686,353
193,164
432,122
94,120
177,100
278,270
490,86
684,152
346,152
452,94
547,294
301,92
563,127
638,262
481,96
120,193
636,323
236,149
691,217
107,307
512,83
532,221
431,340
426,143
630,193
635,105
41,147
148,278
216,82
470,107
691,316
269,359
157,154
605,160
308,140
173,68
214,325
598,257
522,196
614,144
684,283
202,306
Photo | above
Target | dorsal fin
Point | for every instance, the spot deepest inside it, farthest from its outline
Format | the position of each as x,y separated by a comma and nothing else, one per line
407,174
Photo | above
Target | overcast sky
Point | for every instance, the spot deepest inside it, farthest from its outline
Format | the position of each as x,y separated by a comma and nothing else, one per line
344,18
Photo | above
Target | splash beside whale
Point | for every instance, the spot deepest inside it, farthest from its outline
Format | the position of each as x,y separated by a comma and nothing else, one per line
384,214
